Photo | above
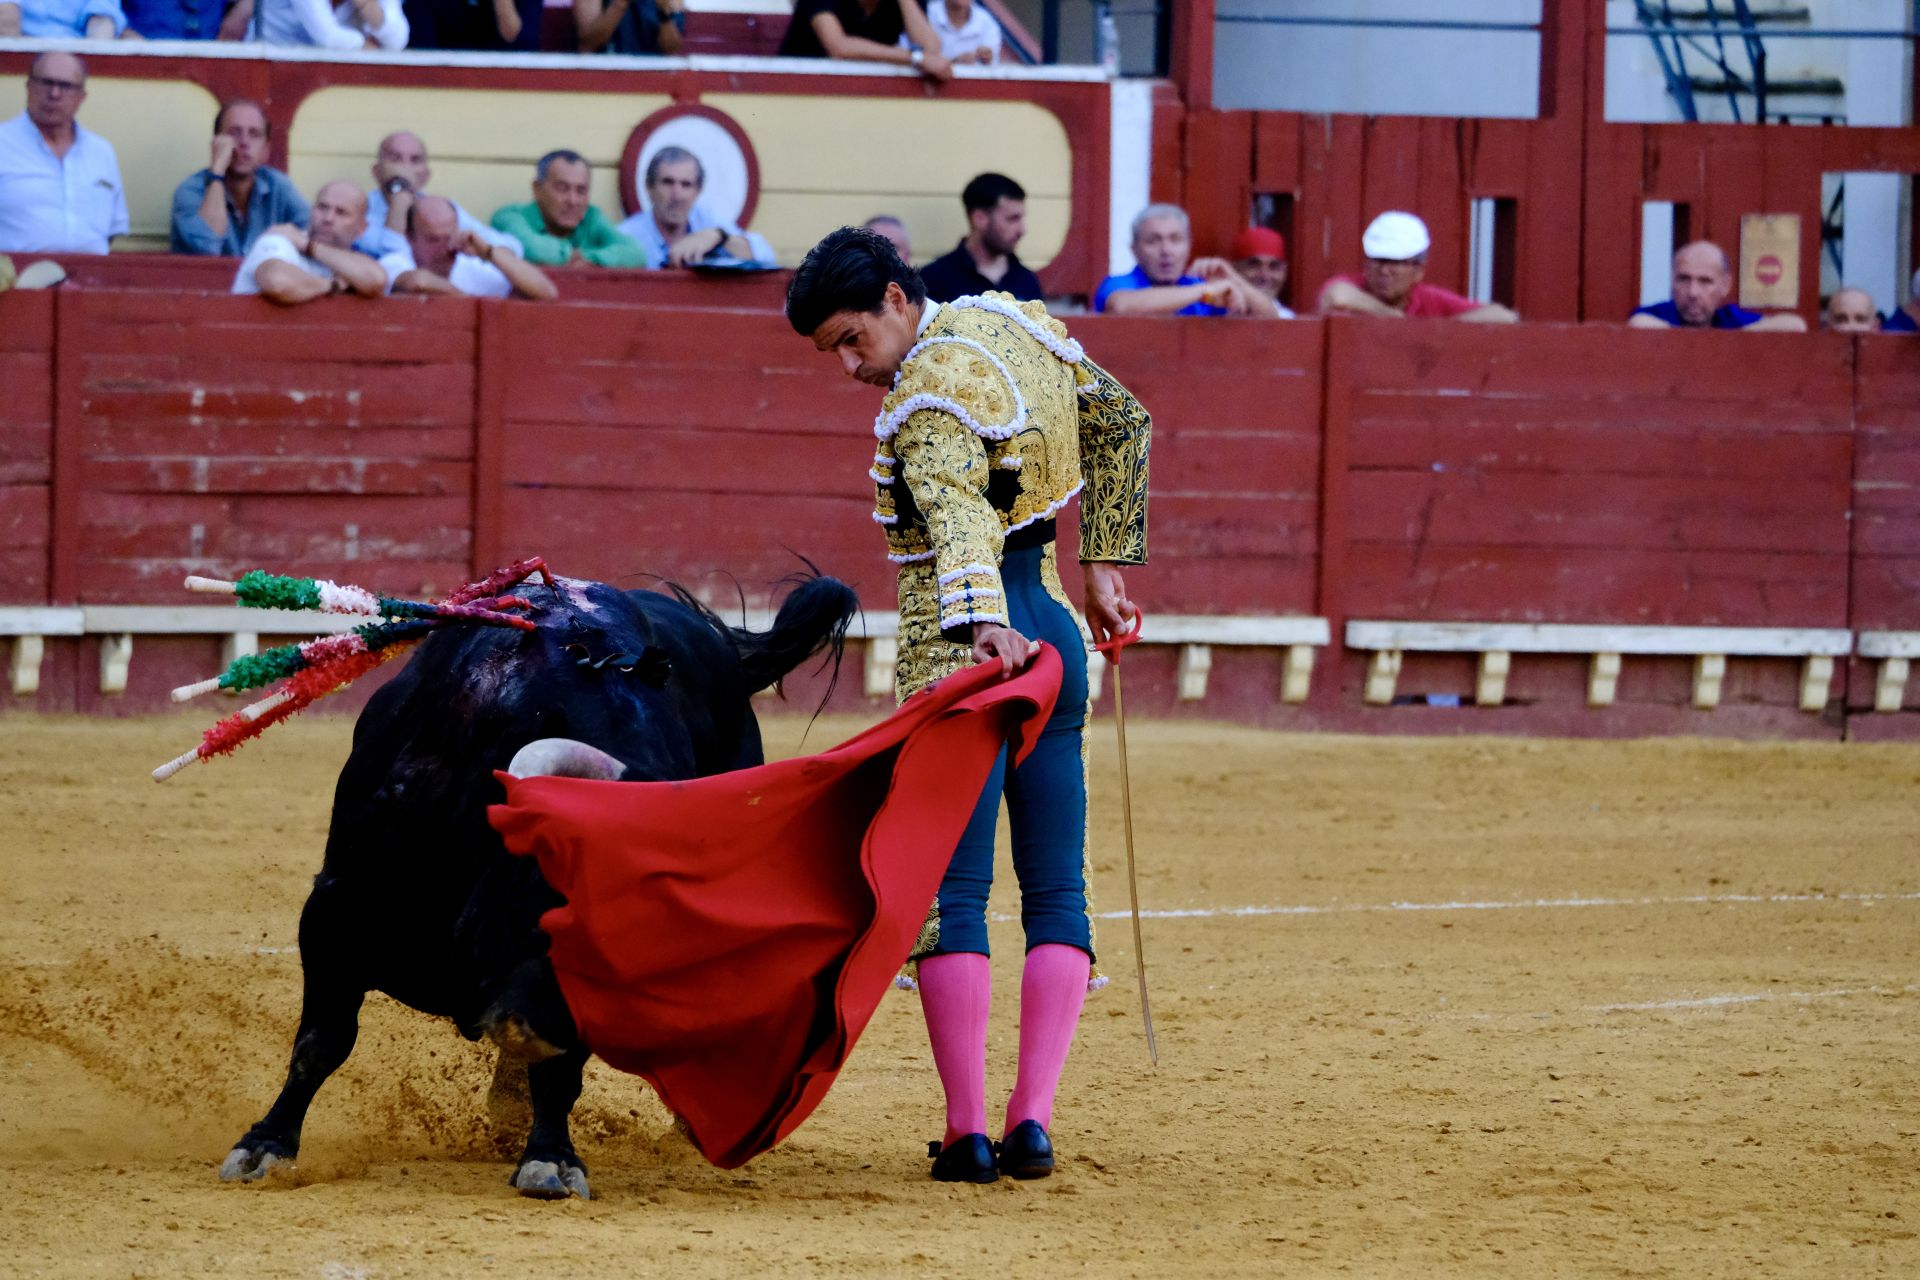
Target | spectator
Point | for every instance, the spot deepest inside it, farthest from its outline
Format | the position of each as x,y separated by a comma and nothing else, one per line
350,24
1393,282
494,26
1159,284
60,189
1850,311
561,227
1906,319
188,19
676,230
62,19
894,232
1702,279
996,208
1259,254
631,26
867,31
1257,265
400,174
228,205
290,266
442,256
967,32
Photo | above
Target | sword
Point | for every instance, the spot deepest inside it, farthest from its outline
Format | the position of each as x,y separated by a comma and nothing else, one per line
1111,650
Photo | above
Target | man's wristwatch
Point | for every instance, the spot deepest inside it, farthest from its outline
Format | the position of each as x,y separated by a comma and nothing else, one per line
919,57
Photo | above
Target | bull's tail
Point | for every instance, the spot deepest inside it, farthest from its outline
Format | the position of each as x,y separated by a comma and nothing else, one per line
813,618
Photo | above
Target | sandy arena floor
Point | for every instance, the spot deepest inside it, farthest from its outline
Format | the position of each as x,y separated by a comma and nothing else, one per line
1432,1008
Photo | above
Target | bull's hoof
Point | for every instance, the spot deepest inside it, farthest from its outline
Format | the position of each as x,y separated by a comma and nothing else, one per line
551,1180
252,1163
519,1041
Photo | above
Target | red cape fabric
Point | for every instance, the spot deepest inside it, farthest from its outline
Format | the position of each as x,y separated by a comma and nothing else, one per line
728,938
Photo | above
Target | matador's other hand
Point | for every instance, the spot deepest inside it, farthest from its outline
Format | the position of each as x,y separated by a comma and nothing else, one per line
992,640
1109,612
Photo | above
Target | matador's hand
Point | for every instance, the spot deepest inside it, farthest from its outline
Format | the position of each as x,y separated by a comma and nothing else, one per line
1109,612
991,640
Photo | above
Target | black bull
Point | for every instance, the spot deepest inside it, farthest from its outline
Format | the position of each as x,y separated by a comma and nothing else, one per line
418,898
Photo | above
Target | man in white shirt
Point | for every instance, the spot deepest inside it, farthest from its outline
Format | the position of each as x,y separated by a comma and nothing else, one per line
347,25
444,257
677,230
400,175
967,31
291,266
60,189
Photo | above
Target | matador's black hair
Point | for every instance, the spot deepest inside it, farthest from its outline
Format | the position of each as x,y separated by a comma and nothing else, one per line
848,271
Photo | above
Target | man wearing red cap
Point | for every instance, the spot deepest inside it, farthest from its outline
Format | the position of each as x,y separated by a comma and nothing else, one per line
1256,263
1393,283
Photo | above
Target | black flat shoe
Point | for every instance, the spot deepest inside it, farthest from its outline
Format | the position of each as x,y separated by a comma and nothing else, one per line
968,1159
1026,1151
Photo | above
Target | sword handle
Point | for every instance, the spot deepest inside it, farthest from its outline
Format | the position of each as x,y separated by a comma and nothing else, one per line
1111,648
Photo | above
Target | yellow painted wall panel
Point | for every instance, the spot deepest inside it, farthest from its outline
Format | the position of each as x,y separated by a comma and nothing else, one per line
160,130
890,144
482,144
794,221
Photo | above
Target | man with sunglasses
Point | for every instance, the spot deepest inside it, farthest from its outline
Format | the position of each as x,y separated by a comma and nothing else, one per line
1393,283
60,188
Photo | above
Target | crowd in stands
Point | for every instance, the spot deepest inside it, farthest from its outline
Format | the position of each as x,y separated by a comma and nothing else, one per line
930,39
61,192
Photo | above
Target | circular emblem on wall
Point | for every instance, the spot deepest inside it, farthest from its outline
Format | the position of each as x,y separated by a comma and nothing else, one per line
732,186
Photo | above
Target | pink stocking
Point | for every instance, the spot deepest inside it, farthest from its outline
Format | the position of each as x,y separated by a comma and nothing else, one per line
956,989
1052,990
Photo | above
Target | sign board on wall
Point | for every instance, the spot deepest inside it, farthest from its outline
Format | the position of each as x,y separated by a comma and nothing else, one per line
1770,260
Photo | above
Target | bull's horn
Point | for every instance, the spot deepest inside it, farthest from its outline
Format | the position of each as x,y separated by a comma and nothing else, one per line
564,758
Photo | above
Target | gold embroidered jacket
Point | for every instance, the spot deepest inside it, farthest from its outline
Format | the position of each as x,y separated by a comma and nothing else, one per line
995,421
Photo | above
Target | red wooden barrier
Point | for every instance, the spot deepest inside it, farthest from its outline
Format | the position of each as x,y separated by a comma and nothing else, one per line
1550,474
214,433
1236,459
26,444
1350,469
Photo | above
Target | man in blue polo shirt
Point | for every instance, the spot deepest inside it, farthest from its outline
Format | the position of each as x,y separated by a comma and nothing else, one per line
1158,285
1702,280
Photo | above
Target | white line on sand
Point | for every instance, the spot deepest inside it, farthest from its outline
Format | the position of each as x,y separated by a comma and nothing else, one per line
1536,904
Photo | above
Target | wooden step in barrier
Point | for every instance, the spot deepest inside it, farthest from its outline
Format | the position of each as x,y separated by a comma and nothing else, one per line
1894,651
1608,646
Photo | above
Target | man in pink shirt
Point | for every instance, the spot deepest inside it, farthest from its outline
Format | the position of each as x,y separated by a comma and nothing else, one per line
1392,286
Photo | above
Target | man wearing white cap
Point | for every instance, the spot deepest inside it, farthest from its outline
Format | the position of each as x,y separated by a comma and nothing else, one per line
1396,246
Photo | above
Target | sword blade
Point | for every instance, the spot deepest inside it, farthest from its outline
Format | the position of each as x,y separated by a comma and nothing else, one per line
1133,885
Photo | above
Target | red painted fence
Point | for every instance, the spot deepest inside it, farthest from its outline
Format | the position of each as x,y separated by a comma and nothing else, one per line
1348,469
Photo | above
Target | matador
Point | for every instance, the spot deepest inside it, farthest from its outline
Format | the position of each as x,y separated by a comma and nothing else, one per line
994,420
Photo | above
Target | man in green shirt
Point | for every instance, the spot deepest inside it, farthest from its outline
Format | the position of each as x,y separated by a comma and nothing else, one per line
561,227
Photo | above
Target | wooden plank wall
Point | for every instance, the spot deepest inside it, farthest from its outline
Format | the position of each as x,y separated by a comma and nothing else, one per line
1234,525
215,433
1525,476
26,445
1578,192
1347,468
686,444
1886,508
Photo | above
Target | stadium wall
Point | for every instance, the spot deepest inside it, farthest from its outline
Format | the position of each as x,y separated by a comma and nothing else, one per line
1345,470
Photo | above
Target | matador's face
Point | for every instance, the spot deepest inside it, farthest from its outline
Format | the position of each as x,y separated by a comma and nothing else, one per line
871,345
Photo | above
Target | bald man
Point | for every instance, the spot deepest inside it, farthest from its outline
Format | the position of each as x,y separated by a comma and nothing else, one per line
1702,282
1850,311
444,257
290,266
400,176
